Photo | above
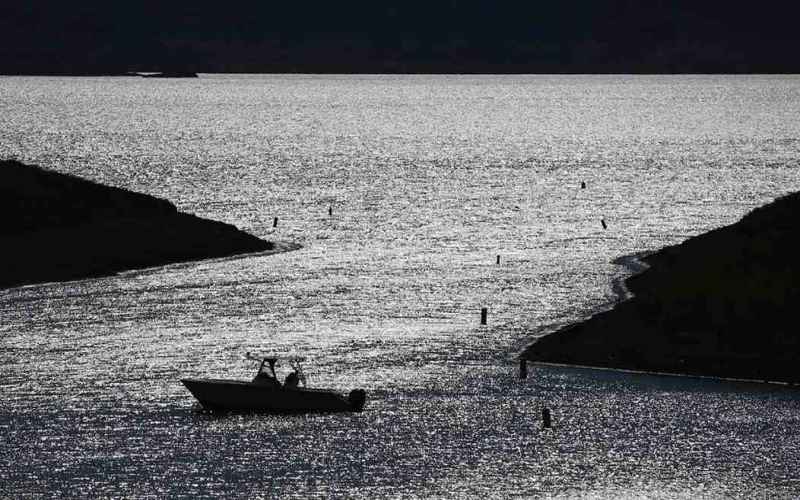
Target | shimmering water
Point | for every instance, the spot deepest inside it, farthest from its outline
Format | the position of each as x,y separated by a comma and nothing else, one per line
430,178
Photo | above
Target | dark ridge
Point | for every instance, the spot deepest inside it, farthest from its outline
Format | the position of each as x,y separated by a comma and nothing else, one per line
58,227
455,36
33,198
720,304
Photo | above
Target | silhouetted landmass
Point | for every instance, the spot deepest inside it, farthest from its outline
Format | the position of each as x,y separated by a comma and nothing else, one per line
724,303
58,227
414,36
170,74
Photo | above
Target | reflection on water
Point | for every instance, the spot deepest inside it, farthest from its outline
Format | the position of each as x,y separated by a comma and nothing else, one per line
430,179
468,430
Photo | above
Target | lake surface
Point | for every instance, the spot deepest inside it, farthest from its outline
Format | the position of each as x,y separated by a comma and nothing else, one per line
429,178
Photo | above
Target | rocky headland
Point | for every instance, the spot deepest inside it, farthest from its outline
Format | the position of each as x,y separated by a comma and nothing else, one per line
58,227
724,303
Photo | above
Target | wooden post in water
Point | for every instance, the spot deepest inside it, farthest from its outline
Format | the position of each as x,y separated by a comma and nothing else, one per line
546,421
330,211
603,222
498,259
523,368
484,312
583,185
275,222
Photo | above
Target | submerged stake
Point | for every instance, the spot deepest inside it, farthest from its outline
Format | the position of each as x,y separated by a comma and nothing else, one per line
275,222
546,422
603,222
483,315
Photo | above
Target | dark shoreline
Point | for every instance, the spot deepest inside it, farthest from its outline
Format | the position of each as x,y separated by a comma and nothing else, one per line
58,227
444,71
719,304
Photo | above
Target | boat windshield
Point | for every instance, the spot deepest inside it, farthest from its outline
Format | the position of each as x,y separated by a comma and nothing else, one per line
295,362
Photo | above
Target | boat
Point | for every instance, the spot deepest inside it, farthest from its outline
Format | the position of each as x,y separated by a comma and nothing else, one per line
266,394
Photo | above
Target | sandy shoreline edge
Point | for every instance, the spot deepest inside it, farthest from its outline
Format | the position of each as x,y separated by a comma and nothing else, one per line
280,247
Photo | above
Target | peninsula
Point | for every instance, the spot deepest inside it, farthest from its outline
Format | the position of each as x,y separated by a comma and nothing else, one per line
720,304
58,227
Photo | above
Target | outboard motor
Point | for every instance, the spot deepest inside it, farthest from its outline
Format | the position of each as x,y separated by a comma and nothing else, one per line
357,398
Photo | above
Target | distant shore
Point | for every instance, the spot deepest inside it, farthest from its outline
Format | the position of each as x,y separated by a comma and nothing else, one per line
719,304
57,227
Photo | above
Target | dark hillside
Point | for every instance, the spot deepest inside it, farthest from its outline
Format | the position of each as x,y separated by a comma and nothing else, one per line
33,198
723,303
455,36
57,227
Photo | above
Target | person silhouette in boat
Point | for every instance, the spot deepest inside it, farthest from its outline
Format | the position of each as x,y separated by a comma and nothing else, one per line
291,380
